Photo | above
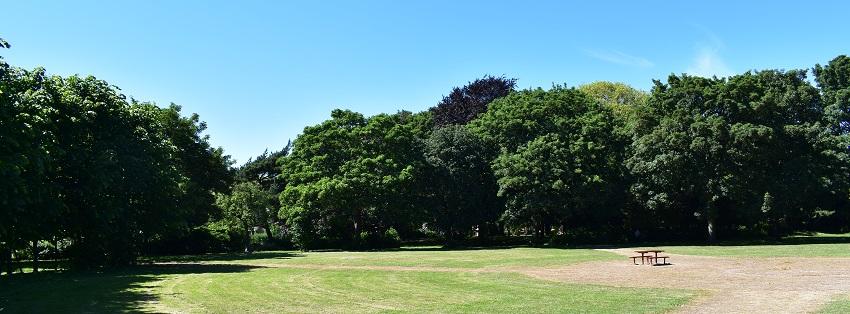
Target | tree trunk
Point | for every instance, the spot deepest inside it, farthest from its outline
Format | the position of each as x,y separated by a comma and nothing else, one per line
4,261
268,232
56,253
247,239
711,236
35,256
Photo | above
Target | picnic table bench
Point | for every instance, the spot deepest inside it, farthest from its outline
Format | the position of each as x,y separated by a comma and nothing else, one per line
646,258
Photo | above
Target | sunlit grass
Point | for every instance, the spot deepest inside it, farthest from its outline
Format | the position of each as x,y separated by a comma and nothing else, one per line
838,306
261,282
358,291
786,250
484,258
802,245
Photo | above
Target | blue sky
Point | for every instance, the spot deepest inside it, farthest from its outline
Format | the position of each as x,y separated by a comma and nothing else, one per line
259,71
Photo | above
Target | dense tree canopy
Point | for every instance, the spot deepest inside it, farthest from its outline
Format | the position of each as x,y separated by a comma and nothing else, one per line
559,157
88,175
464,188
749,151
351,176
85,167
834,82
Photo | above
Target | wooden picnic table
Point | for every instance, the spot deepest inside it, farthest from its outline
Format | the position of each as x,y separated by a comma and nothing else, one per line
644,255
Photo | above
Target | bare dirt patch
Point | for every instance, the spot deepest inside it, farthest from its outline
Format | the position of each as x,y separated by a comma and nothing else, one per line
731,284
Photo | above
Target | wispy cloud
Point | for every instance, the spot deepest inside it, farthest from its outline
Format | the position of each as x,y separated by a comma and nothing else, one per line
708,61
618,57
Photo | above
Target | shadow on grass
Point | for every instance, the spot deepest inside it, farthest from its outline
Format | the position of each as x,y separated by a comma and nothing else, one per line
431,248
127,290
221,257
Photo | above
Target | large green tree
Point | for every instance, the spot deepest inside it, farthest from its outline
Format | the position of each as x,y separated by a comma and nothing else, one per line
743,152
834,82
558,161
350,176
464,188
833,79
82,164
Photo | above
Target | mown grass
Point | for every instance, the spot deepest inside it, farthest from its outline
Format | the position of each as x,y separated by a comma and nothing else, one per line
239,283
809,245
135,289
359,291
434,257
839,306
807,250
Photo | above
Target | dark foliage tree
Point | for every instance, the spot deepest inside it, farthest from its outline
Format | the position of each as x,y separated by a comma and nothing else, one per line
264,169
465,103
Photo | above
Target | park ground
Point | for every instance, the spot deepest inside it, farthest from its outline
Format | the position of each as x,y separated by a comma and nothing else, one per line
795,275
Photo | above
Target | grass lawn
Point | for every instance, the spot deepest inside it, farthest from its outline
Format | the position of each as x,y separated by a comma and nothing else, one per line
242,285
429,257
808,250
815,245
840,306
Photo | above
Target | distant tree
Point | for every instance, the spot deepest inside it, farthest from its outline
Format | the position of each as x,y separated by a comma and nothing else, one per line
465,103
463,182
247,206
624,101
264,169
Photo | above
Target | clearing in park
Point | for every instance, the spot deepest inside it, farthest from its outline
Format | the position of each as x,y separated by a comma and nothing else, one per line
790,277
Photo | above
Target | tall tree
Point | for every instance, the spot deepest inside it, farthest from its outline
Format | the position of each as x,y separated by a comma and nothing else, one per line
834,82
557,166
81,163
718,147
465,103
205,169
350,175
463,182
29,210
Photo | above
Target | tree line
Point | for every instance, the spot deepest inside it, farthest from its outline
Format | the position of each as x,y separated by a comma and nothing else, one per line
763,153
99,179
